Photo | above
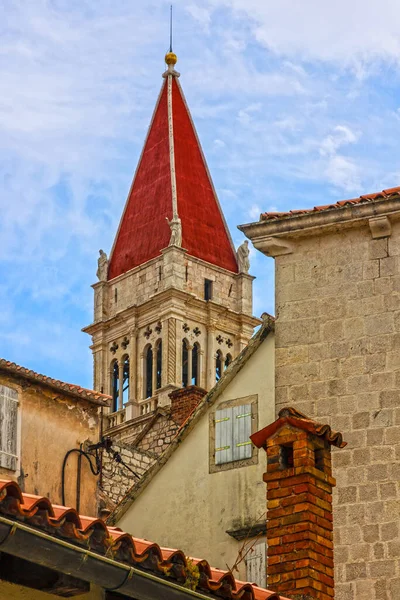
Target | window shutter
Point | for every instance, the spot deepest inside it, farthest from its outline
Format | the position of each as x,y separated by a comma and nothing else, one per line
8,427
223,436
241,432
256,566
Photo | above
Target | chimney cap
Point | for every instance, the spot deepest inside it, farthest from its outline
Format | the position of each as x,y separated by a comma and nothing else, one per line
293,417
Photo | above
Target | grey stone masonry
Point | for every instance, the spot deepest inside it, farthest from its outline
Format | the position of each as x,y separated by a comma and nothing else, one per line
338,361
116,478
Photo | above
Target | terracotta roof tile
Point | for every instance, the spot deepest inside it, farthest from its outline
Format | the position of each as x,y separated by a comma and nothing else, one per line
297,419
385,194
68,388
66,523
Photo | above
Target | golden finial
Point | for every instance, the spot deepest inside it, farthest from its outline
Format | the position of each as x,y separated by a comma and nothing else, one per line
171,58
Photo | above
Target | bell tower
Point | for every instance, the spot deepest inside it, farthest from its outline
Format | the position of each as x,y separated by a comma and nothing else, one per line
173,304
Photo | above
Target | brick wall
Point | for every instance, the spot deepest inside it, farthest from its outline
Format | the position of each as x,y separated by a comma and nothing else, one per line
184,401
338,359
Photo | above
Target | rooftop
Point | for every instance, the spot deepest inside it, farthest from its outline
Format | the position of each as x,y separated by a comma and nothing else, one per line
111,545
366,199
71,389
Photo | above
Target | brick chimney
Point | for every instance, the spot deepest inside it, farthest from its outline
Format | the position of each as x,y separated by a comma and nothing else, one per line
184,401
299,508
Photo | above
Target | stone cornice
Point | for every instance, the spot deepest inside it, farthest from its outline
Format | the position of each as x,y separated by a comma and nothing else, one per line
184,303
265,234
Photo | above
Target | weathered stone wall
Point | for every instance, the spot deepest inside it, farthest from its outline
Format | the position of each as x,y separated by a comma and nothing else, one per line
338,360
116,478
139,448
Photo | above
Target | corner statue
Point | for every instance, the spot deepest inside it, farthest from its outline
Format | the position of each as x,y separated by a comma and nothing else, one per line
243,257
102,266
176,231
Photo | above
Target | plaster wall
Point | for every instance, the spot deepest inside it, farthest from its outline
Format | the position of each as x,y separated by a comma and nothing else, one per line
50,424
338,361
198,507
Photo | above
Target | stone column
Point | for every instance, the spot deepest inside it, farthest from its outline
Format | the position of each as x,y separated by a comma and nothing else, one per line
121,380
189,349
210,379
132,407
100,301
244,294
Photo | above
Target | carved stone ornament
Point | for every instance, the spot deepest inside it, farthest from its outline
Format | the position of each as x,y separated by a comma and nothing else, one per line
243,257
114,347
185,327
219,339
176,231
158,327
148,332
125,343
196,331
229,343
102,266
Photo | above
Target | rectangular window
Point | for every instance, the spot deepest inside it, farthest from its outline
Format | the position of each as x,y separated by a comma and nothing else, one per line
232,433
208,285
8,428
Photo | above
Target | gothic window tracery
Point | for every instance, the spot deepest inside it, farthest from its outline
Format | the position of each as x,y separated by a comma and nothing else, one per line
195,364
125,379
228,360
158,364
148,371
185,363
114,385
218,365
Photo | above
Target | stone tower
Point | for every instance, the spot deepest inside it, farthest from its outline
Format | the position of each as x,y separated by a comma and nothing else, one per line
173,305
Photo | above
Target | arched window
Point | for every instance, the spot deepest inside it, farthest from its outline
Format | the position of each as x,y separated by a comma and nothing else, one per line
228,360
114,385
218,365
185,364
125,380
195,364
159,365
148,372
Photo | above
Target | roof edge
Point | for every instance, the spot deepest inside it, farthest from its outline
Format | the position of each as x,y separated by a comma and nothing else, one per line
234,368
77,392
301,223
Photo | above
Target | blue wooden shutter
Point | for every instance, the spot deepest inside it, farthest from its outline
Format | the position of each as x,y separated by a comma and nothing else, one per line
223,436
241,432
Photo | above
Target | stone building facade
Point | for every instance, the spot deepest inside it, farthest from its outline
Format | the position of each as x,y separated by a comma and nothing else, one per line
44,425
338,359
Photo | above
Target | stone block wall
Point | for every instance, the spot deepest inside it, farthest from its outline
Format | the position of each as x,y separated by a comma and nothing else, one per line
116,478
338,360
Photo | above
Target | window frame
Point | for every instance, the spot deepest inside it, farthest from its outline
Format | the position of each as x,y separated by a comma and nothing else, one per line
234,464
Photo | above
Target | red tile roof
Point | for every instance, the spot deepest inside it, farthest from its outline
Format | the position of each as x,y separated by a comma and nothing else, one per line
70,389
66,524
295,418
143,230
385,194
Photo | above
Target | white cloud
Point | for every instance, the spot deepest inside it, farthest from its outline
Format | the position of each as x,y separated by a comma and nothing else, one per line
254,212
352,33
341,136
343,173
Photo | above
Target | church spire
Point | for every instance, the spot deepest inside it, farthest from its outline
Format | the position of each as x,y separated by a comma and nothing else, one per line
171,182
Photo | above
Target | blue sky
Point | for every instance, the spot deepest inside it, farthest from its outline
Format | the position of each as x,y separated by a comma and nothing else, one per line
296,104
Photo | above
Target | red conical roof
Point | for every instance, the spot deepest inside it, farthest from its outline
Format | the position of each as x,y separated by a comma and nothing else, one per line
171,174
